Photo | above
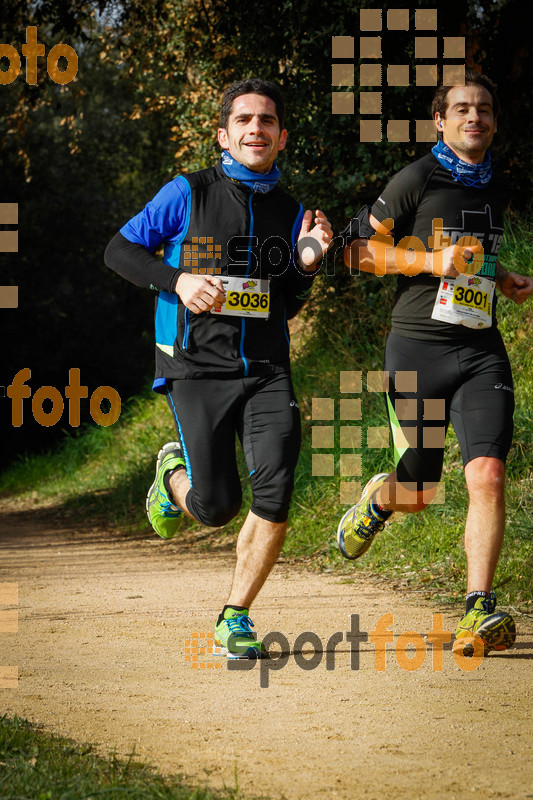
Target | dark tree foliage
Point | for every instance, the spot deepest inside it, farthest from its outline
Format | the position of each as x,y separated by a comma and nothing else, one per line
76,159
82,158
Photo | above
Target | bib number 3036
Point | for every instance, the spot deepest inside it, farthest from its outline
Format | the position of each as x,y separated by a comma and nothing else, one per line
243,301
245,297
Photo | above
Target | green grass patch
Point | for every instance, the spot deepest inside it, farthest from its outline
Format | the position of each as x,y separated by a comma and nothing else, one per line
102,474
38,766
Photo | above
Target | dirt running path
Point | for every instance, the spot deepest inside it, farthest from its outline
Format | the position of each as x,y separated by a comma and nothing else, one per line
100,651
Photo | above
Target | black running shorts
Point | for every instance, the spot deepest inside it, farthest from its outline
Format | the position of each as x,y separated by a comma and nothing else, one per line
264,414
432,383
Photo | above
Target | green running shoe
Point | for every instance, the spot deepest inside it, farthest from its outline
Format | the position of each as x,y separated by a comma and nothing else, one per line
163,515
234,636
357,529
496,630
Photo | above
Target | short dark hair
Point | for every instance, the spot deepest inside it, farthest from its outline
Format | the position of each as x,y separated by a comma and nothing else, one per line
440,100
251,86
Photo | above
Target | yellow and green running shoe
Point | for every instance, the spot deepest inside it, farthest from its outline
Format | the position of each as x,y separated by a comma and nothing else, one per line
234,637
496,629
163,515
359,525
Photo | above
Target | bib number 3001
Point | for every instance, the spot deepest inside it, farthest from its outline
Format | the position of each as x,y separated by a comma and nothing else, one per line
465,300
245,297
471,298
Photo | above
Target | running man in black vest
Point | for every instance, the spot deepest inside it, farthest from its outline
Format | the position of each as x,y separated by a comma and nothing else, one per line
239,260
444,334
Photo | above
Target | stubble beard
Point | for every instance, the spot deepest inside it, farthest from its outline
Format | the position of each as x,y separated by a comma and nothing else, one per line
472,150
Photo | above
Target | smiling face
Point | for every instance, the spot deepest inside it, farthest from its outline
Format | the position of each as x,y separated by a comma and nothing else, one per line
252,135
469,125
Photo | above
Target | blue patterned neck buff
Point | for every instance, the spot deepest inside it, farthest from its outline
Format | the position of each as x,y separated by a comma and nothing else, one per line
257,181
469,174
